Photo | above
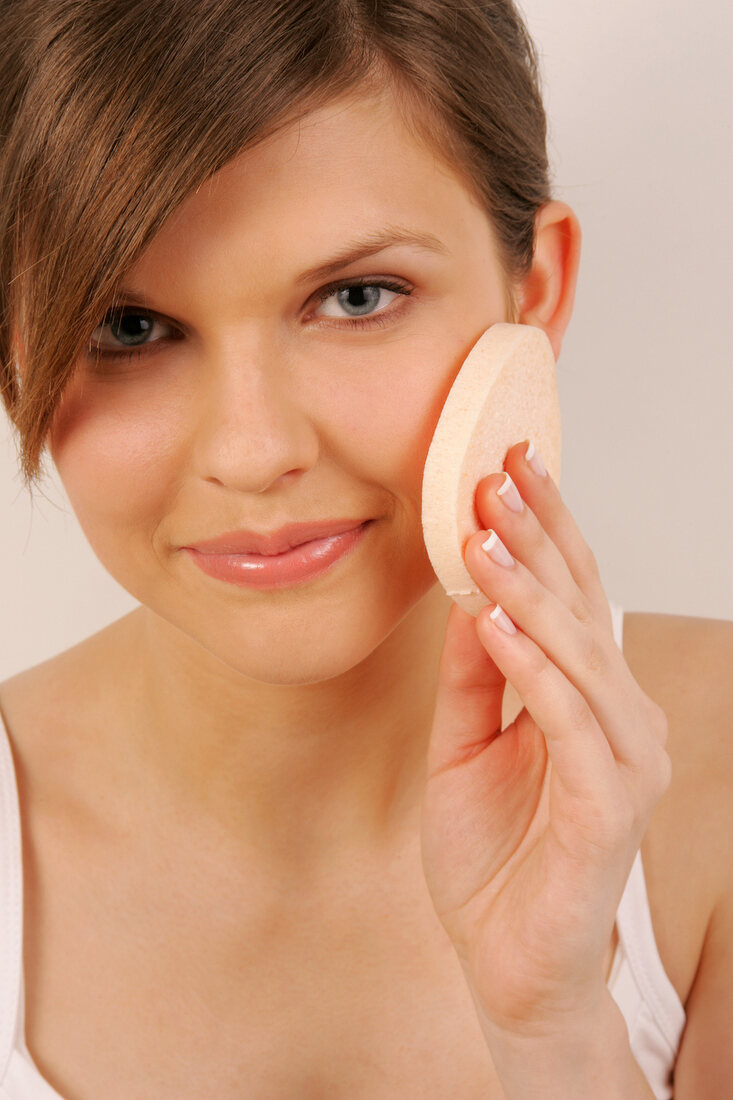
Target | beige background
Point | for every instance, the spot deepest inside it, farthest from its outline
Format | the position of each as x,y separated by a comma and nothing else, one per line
638,95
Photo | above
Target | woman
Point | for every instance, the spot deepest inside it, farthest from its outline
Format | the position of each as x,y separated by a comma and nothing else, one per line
284,831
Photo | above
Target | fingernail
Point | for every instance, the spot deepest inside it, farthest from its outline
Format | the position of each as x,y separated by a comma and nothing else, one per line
510,494
502,620
533,459
496,549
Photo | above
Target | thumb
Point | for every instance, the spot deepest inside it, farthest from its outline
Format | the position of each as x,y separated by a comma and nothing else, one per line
469,696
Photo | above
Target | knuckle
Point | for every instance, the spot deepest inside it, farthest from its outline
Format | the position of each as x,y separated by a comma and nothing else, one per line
593,655
652,772
583,611
539,665
589,563
578,712
534,597
657,720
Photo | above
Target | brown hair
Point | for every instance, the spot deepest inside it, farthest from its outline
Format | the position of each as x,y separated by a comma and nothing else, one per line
114,111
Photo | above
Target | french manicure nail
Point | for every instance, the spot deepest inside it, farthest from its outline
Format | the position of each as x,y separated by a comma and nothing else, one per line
533,459
502,620
510,494
496,549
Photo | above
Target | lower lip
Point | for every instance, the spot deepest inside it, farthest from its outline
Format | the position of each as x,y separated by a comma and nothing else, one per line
302,563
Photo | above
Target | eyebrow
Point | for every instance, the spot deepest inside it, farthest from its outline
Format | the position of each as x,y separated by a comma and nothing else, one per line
368,245
359,249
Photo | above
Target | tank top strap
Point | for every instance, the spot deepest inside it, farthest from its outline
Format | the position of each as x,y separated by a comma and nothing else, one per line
11,902
636,935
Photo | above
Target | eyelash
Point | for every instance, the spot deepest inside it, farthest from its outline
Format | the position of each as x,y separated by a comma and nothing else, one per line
376,320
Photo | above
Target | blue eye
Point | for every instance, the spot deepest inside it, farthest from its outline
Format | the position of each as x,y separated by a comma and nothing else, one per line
367,294
131,328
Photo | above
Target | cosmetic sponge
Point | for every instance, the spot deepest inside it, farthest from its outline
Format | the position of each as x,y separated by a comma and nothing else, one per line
504,392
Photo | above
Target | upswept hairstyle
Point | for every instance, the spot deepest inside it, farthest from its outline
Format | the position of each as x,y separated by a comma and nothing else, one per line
113,111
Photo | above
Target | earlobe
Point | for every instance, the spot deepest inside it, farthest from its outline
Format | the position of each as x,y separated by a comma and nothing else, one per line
547,293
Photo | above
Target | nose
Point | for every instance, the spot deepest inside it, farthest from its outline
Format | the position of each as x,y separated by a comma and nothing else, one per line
251,428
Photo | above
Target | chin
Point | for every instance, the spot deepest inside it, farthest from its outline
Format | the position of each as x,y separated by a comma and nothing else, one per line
274,662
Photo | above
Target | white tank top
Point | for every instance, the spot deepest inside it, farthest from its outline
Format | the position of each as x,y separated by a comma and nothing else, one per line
654,1014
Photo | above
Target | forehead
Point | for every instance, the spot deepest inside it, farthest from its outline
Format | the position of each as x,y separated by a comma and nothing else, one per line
346,169
358,145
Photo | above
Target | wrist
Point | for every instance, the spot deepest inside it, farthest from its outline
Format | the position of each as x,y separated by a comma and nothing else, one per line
588,1054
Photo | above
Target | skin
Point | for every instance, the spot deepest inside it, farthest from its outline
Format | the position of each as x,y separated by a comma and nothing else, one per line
331,750
237,702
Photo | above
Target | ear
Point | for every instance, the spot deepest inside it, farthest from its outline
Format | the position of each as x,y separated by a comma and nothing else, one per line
546,294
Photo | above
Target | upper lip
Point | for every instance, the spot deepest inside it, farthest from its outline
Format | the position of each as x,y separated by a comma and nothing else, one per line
293,534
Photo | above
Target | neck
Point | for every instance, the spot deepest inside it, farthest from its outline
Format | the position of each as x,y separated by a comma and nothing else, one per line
298,772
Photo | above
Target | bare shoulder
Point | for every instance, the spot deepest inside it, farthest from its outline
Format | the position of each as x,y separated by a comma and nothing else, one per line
685,665
42,709
703,645
40,697
46,707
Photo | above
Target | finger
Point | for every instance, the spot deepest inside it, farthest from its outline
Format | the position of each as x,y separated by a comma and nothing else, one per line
543,498
526,539
578,748
582,652
469,696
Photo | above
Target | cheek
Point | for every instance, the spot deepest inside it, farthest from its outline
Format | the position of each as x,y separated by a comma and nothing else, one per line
114,458
118,449
396,421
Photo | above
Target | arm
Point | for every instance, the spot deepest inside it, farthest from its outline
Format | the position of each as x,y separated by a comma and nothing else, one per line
529,832
704,1067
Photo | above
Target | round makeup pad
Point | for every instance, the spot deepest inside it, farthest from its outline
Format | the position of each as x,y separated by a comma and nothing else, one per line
505,391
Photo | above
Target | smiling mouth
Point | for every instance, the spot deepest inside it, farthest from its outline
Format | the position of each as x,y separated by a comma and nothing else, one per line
290,567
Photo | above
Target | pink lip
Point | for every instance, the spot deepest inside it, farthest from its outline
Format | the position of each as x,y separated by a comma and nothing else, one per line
293,534
299,563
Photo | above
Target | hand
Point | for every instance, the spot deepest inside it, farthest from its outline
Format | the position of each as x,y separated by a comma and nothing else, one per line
528,833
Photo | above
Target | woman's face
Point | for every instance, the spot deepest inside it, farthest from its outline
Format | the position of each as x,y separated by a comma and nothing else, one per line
254,404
